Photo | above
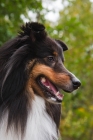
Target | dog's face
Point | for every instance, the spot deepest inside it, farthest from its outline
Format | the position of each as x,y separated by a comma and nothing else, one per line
48,74
34,62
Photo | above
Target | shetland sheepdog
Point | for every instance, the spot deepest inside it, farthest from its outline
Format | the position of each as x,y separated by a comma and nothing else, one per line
32,75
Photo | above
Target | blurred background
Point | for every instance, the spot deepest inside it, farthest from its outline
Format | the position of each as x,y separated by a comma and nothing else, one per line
72,22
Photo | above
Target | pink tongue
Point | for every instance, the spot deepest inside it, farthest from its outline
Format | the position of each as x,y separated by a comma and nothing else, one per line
48,83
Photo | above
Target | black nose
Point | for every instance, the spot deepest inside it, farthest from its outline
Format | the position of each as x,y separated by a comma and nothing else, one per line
76,83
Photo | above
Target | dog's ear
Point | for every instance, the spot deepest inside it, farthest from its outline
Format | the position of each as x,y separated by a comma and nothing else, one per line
37,31
34,30
63,45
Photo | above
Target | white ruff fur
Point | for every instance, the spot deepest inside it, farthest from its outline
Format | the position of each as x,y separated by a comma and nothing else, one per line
40,125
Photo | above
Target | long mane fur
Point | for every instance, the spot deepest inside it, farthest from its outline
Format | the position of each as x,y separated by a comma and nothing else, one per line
14,55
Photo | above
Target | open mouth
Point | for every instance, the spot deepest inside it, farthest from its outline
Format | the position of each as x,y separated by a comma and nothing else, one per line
51,90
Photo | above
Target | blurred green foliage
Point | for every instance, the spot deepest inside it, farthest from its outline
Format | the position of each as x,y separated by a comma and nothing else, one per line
77,31
75,28
11,13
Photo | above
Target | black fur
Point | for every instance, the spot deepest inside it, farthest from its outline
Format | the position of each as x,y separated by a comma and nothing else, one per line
32,42
54,110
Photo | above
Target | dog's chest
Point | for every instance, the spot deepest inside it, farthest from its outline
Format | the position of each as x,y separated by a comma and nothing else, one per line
40,125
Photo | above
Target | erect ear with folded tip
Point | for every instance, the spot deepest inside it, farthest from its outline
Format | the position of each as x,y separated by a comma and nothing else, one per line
37,31
62,44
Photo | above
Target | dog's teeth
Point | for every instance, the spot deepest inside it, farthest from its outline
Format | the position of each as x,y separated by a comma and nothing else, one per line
60,97
48,87
57,93
43,80
53,99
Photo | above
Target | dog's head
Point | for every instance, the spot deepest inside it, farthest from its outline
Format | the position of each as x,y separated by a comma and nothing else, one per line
33,64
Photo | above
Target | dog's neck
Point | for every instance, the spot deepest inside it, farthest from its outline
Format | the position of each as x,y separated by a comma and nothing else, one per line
40,126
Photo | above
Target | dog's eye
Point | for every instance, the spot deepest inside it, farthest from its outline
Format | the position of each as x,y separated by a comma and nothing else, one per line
50,58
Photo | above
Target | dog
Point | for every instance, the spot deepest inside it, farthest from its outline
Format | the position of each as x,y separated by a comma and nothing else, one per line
32,72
